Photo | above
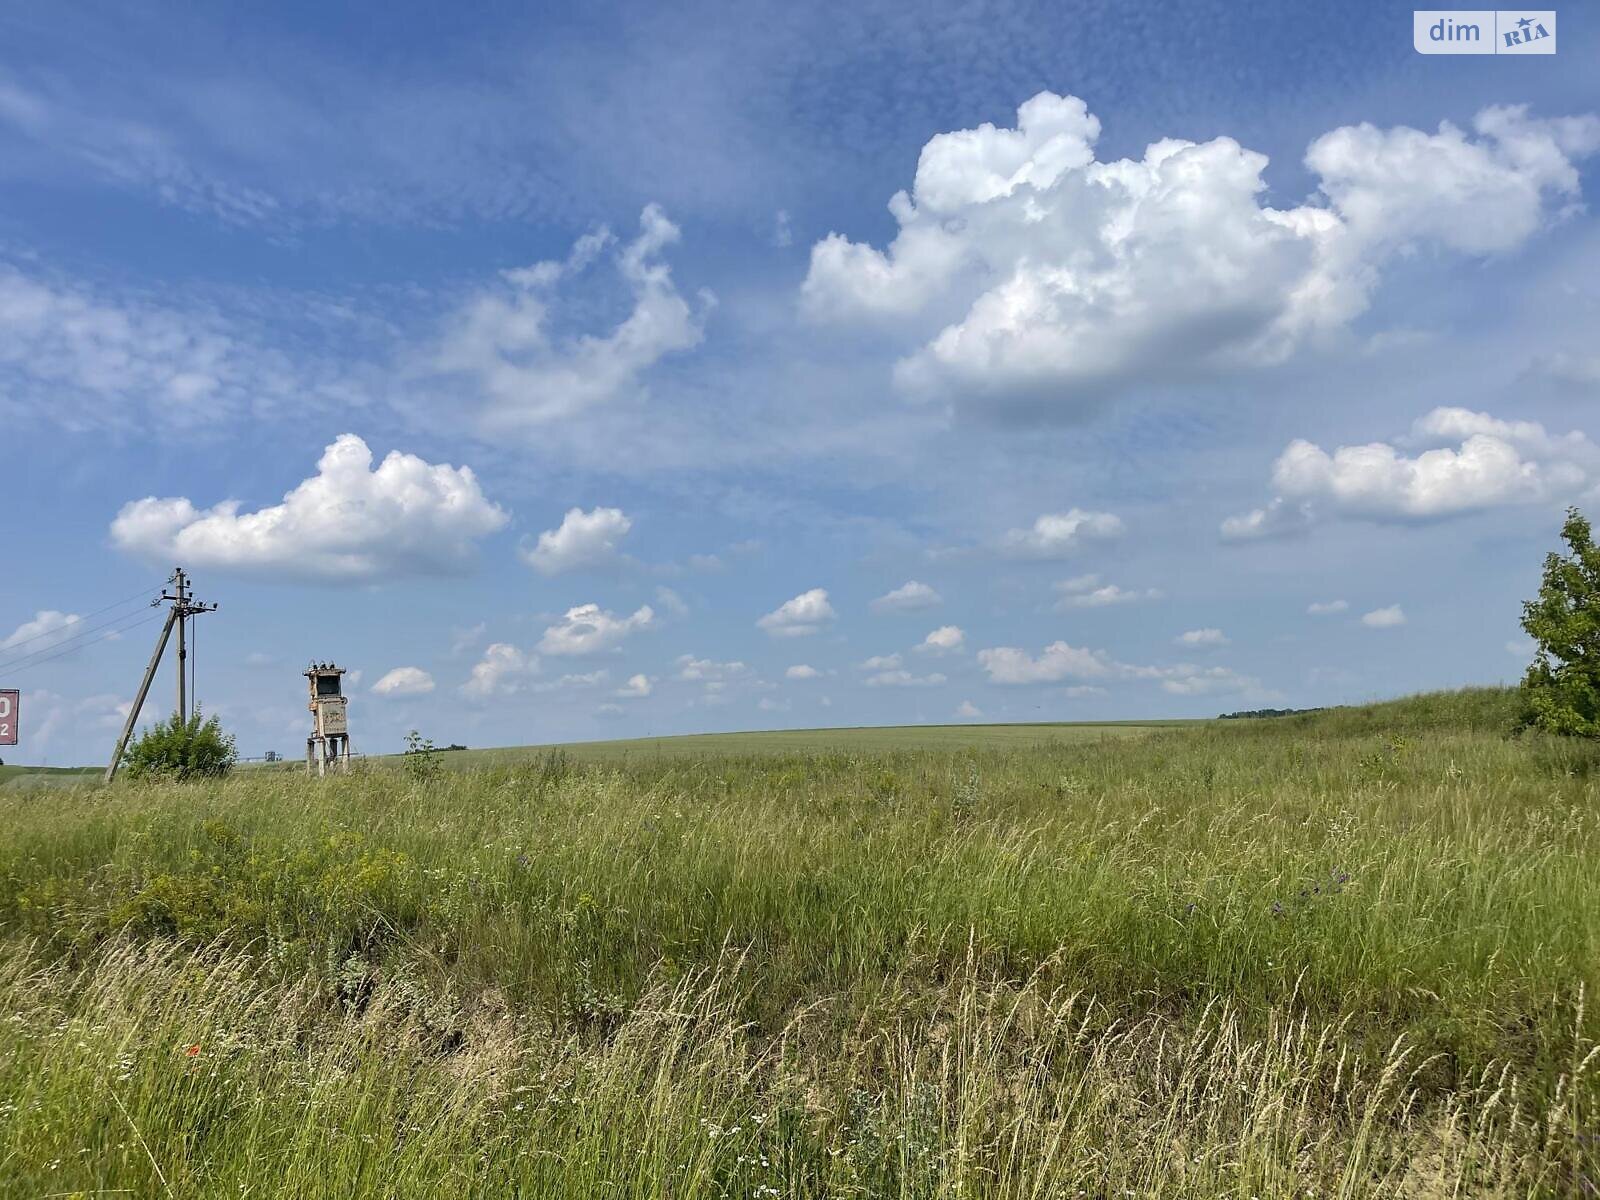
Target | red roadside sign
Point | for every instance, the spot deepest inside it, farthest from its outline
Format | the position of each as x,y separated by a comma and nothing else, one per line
8,718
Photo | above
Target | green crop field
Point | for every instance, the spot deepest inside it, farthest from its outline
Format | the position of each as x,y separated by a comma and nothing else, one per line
1348,954
822,741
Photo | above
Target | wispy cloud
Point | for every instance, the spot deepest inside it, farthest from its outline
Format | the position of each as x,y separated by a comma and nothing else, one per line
504,339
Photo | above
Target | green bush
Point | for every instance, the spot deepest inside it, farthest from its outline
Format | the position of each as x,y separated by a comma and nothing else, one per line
179,749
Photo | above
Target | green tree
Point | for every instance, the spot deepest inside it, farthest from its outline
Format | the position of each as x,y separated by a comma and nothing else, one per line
177,749
1561,690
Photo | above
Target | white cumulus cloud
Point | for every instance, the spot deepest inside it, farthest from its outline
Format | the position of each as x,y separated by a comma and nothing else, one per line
588,629
576,679
404,681
1086,591
806,614
1062,663
1327,608
637,687
1202,637
1483,195
1188,680
347,523
709,671
1463,461
1277,519
910,596
47,628
502,671
968,711
1056,535
1035,277
1384,618
904,679
1378,480
1059,661
583,539
801,671
943,639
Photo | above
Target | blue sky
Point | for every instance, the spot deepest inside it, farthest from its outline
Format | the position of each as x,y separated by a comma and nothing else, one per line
622,371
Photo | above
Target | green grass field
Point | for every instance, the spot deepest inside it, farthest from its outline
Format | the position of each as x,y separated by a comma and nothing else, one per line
778,741
1350,954
20,777
879,739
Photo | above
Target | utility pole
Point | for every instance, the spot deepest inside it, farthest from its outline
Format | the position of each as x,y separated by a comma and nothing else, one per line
184,607
138,700
180,586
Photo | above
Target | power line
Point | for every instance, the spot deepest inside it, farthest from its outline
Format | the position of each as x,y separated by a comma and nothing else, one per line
143,620
139,595
78,640
72,631
69,643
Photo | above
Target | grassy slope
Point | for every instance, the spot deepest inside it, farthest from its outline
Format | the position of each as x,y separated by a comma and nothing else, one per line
1322,955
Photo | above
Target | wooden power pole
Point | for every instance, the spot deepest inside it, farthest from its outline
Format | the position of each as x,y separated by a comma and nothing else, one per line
184,607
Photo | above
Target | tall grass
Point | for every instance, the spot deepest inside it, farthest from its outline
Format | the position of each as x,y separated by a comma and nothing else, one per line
1338,955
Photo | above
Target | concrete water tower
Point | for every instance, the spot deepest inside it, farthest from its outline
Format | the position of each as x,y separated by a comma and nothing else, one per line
329,743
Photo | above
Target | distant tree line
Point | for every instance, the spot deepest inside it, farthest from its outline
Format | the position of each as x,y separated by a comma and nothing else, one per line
1248,713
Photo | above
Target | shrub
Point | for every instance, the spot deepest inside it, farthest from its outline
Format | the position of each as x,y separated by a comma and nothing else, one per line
1561,691
179,749
421,757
